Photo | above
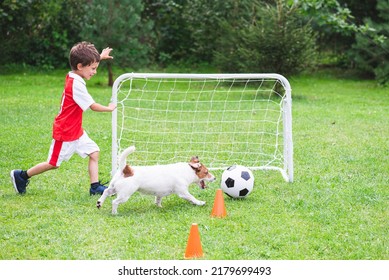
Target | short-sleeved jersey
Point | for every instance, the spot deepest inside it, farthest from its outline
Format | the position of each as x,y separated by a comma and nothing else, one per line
75,100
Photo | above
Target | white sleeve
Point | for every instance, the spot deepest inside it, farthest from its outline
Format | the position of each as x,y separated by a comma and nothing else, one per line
81,95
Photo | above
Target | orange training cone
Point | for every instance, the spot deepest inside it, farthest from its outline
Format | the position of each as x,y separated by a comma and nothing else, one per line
193,248
219,209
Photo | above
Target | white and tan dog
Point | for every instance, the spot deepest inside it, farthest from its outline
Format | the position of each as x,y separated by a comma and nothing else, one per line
157,180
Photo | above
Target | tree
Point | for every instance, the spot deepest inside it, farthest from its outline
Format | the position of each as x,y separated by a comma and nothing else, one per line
361,9
339,22
188,31
119,25
372,57
272,38
204,18
172,37
39,32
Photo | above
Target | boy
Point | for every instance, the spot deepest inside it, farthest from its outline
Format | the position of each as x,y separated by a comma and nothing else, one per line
68,134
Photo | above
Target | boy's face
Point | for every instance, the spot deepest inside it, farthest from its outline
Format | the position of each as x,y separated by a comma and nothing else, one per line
88,71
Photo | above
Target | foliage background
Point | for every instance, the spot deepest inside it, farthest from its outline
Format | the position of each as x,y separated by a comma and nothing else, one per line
283,36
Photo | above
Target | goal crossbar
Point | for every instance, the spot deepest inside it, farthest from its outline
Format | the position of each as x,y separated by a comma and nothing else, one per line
237,118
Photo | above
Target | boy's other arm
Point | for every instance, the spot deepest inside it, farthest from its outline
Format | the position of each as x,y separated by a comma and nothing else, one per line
101,108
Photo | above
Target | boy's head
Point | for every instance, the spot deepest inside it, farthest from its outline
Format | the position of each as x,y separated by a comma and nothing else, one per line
84,53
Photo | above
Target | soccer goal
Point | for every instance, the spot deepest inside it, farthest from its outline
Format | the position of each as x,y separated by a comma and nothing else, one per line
224,119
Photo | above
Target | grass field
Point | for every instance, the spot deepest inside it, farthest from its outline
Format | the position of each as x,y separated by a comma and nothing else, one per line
337,208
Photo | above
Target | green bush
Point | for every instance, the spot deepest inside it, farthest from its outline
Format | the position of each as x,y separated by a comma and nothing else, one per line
274,39
39,33
371,56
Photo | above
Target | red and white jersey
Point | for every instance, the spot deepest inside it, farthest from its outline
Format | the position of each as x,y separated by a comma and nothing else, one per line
75,100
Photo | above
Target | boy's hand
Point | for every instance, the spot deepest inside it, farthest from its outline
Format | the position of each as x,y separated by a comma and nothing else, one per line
105,54
111,106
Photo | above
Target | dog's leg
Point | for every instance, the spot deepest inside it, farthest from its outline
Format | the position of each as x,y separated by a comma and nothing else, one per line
116,202
187,196
123,196
158,201
106,193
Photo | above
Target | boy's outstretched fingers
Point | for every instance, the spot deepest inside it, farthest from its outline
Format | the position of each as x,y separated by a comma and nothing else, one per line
105,54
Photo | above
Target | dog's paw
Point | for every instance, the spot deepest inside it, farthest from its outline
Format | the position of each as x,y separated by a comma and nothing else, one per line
201,203
98,204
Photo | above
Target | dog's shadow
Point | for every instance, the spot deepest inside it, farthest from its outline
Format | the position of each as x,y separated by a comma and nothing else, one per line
140,204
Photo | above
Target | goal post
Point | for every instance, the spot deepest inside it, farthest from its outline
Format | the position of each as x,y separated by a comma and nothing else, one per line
224,119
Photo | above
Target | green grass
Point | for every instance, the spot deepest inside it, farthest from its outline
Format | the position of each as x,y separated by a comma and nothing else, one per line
337,208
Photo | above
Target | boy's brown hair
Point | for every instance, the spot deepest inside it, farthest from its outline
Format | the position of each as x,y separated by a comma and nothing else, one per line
84,53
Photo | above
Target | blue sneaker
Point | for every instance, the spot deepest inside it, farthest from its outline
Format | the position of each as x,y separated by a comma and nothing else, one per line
99,189
18,182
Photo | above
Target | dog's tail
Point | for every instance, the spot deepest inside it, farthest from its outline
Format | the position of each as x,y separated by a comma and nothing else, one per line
124,155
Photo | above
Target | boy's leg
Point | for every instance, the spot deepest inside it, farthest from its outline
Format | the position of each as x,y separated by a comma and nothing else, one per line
93,167
87,147
58,152
40,168
96,186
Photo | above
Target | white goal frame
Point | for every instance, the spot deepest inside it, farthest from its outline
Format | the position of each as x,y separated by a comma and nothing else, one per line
285,114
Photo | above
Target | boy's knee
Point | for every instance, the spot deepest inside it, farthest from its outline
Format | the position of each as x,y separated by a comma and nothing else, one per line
52,166
94,155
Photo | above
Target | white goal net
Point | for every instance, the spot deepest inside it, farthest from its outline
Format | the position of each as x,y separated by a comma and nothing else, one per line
224,119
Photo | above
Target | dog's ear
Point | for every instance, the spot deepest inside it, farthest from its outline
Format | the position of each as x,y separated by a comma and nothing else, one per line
128,171
195,159
195,162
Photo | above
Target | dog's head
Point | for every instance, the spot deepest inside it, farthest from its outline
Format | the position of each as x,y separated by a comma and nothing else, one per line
201,172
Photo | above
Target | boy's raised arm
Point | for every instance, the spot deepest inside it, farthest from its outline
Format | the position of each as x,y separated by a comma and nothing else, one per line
105,54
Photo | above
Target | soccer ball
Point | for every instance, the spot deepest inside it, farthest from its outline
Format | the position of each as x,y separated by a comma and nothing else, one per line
237,181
